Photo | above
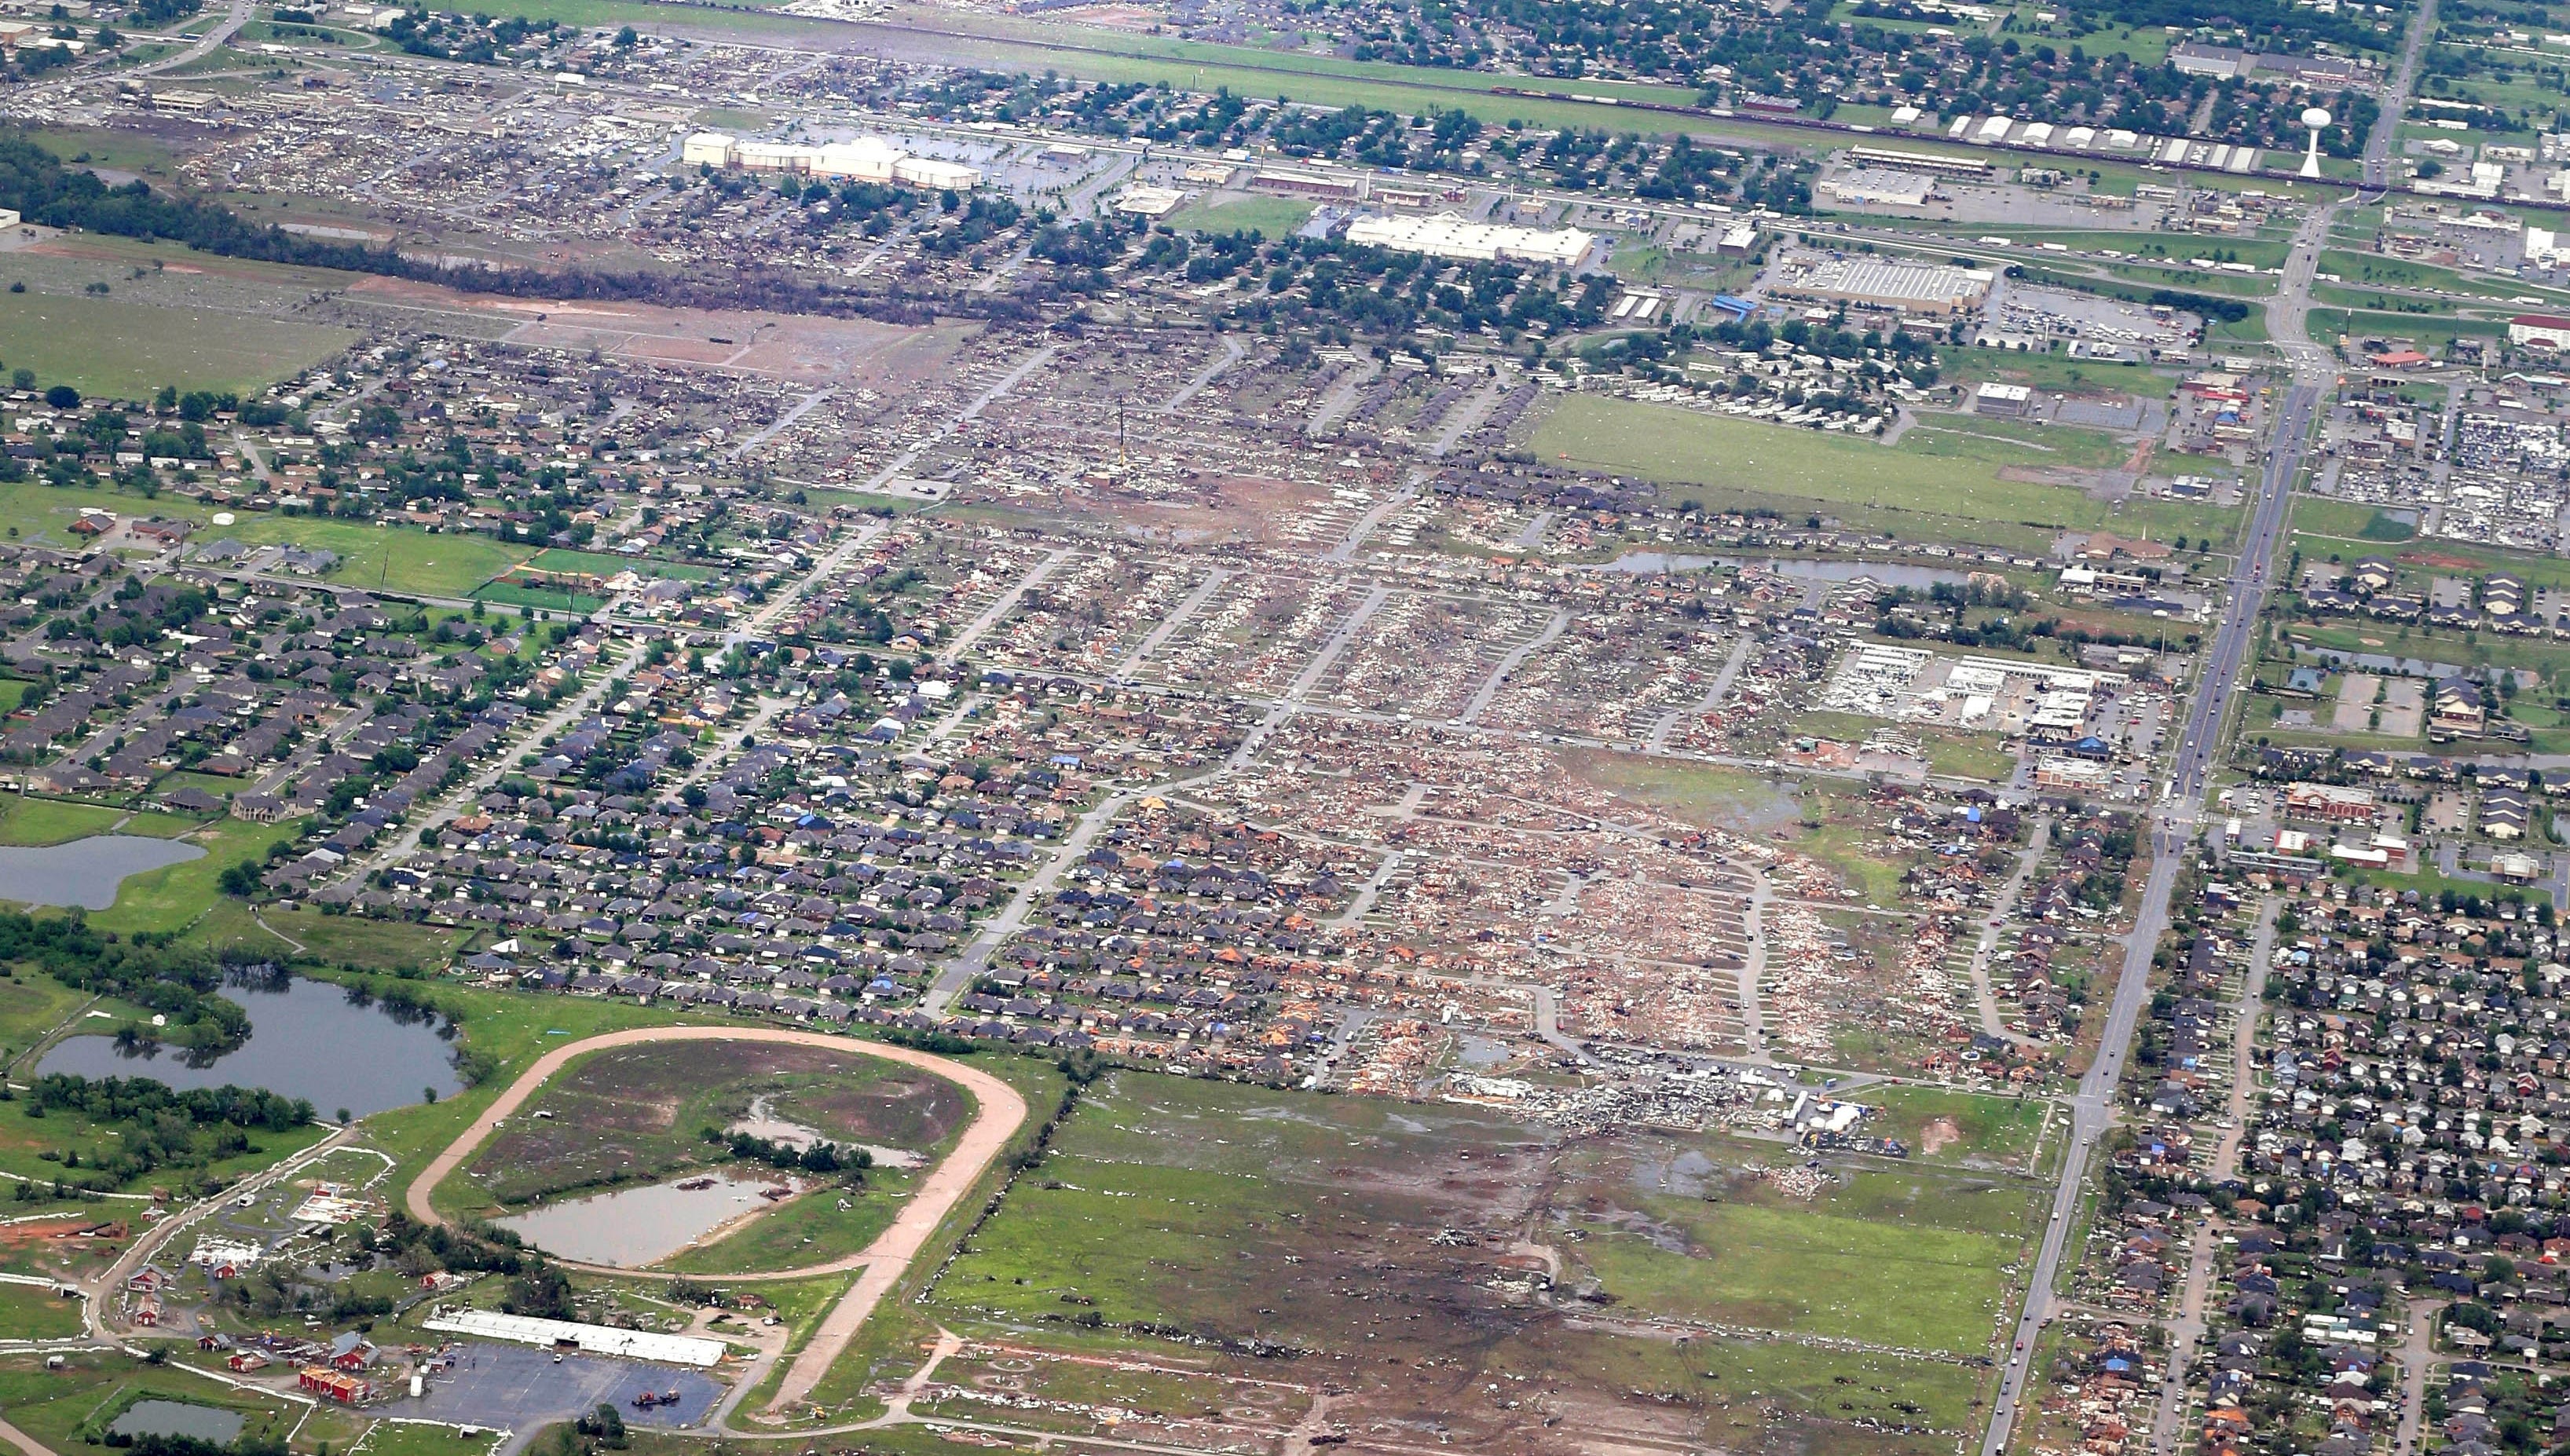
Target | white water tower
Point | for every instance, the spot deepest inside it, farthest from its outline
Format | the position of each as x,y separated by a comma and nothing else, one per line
2317,119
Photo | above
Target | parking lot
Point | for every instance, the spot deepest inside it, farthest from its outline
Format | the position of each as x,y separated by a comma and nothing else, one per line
523,1389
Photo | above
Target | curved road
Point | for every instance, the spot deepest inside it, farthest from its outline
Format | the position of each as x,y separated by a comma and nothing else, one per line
1002,1112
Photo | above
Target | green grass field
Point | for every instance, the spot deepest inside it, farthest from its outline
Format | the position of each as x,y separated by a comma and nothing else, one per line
605,563
177,896
2432,330
509,593
31,1007
2349,520
111,348
1807,1273
2051,372
2000,1130
28,1312
1270,217
28,821
810,1230
57,1407
125,151
1939,484
390,558
423,1438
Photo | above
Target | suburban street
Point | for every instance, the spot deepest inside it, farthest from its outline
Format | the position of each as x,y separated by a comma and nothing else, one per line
2224,659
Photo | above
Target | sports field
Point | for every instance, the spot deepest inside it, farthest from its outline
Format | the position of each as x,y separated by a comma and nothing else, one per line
1272,217
1939,484
387,557
119,350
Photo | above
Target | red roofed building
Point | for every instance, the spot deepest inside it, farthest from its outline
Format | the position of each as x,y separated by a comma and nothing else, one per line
2539,331
344,1388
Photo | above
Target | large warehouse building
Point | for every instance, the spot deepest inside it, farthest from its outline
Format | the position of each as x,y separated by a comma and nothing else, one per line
1934,289
867,158
1448,236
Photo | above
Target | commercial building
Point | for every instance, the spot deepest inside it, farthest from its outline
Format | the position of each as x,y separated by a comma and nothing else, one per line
1893,158
1446,235
1142,201
866,158
633,1345
1881,186
1311,185
2539,331
2009,401
1938,290
2329,803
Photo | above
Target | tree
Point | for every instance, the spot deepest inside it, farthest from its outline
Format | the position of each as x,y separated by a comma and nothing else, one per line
238,881
61,396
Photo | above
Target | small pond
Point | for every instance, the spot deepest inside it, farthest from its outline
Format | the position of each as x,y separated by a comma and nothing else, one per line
86,871
307,1039
178,1418
633,1227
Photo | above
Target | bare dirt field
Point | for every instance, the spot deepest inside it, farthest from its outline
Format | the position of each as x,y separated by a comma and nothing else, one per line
852,352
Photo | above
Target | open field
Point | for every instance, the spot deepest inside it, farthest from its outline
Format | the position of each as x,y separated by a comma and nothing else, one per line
1967,1127
59,1407
2433,329
104,346
1910,1282
602,564
99,147
1238,1213
2349,520
1271,216
421,1438
176,896
1947,486
30,821
390,558
2051,372
32,1004
29,1312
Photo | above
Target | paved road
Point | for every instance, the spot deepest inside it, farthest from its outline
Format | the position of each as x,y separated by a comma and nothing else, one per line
1984,997
206,44
23,1441
2091,1112
2418,1354
2198,743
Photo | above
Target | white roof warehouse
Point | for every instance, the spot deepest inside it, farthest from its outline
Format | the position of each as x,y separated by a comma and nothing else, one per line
633,1345
1448,236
